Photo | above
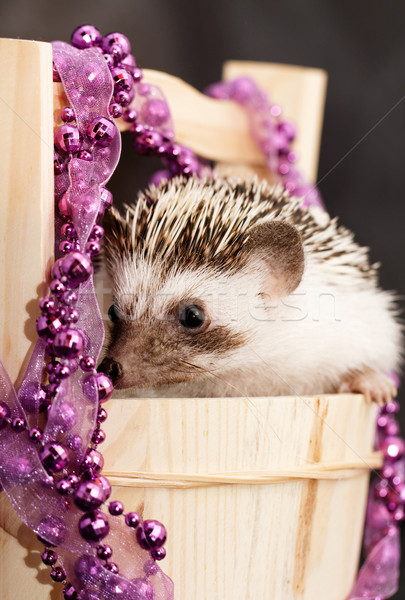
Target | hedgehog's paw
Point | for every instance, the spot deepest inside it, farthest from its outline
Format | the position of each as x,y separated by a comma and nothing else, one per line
374,385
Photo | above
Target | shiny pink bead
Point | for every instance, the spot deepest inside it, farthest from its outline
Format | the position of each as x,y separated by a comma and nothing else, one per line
122,79
393,448
68,343
129,62
58,574
97,232
130,115
158,554
137,75
132,519
65,247
85,155
57,288
98,437
101,131
69,592
18,425
85,36
117,43
94,526
116,508
155,112
123,98
47,304
68,139
106,198
49,557
89,495
104,551
99,383
35,434
49,326
112,567
54,457
97,460
87,363
102,415
93,248
115,110
151,535
67,114
150,568
76,267
63,487
105,484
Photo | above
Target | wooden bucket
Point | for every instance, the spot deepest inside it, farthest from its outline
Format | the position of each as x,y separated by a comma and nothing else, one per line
194,460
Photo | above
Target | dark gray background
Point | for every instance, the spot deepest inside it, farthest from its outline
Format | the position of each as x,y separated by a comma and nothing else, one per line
360,43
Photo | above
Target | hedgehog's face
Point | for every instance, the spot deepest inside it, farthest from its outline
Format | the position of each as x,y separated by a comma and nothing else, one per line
187,264
174,326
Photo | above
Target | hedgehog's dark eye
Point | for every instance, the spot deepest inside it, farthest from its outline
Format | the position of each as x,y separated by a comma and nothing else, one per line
192,316
112,314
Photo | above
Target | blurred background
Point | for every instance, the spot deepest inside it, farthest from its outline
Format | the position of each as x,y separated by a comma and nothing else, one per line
360,44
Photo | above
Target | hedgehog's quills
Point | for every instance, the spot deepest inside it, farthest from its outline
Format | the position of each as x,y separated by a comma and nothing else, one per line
228,288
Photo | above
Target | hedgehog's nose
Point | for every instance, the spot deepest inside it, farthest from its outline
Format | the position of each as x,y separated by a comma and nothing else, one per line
110,367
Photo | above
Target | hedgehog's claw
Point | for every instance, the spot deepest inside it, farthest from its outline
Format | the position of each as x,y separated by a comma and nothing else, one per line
374,385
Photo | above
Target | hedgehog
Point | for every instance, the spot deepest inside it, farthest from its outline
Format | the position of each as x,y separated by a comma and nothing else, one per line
226,287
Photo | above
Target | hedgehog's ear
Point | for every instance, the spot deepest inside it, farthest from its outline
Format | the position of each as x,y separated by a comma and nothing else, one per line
278,245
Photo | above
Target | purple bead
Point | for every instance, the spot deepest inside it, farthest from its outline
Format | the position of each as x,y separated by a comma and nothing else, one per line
67,114
122,79
18,425
158,554
148,142
130,115
87,568
392,407
132,519
48,326
72,316
69,592
97,232
58,574
105,484
68,138
93,248
66,417
137,74
144,589
123,98
70,298
54,457
93,526
112,567
104,551
155,112
151,535
115,110
98,437
85,36
47,304
393,448
87,363
35,434
51,531
97,460
392,428
65,247
68,343
4,414
64,487
57,288
99,383
117,43
129,62
89,495
76,267
85,155
150,568
102,415
101,131
288,129
49,557
116,508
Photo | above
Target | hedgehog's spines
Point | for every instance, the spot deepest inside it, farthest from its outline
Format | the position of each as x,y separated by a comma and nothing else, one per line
195,222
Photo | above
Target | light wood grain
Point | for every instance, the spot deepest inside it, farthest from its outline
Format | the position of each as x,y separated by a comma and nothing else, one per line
26,193
284,541
219,130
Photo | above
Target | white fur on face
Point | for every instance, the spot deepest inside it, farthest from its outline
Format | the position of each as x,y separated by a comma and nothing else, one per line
303,344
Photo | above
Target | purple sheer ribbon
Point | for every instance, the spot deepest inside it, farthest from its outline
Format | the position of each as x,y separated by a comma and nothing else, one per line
88,86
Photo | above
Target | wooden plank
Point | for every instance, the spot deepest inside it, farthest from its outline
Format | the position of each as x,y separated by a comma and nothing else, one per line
26,194
220,130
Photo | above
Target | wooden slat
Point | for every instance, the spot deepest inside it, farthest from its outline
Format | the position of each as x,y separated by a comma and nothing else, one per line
26,193
220,130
